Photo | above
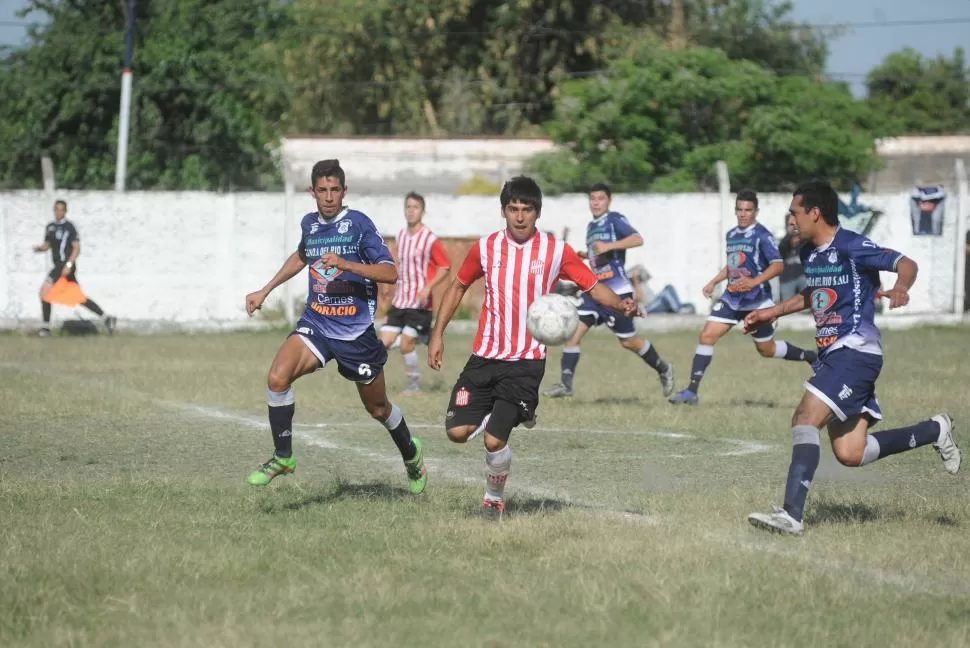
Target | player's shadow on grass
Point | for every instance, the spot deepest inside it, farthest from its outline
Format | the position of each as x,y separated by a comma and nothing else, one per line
627,400
515,507
751,402
834,513
342,491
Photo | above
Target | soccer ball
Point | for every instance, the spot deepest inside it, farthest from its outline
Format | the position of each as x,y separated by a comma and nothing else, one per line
552,319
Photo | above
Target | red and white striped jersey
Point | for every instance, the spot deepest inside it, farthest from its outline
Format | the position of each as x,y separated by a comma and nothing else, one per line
515,275
419,255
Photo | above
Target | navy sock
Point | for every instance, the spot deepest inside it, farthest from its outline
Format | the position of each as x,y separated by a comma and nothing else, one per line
92,306
570,358
281,406
45,308
795,353
902,439
805,456
702,358
400,433
652,358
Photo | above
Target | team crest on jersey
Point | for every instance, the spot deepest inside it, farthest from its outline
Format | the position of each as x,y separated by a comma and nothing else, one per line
322,273
736,259
833,256
749,234
462,397
537,266
823,299
343,226
314,228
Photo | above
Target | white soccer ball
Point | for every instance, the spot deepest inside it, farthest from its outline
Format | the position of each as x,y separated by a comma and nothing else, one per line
552,319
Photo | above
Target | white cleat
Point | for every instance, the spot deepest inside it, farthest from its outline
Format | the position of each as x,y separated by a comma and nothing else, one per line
481,427
779,522
667,380
946,445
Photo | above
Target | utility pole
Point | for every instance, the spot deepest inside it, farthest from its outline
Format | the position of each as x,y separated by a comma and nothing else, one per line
121,162
678,38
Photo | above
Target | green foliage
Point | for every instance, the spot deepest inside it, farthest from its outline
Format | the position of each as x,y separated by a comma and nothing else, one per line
914,94
204,102
660,119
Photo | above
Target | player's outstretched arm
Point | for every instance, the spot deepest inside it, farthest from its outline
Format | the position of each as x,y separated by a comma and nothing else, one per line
289,269
898,295
43,247
449,304
708,289
383,272
625,243
795,304
606,297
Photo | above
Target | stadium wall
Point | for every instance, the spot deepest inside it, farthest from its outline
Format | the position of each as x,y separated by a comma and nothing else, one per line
189,258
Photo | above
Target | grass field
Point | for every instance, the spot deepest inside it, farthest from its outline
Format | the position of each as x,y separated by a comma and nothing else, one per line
126,520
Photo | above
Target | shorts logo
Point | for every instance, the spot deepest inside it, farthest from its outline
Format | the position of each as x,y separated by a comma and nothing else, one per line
343,226
718,306
304,330
462,397
823,299
845,393
736,259
450,414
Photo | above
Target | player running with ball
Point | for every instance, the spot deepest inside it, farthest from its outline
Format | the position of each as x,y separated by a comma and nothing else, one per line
499,387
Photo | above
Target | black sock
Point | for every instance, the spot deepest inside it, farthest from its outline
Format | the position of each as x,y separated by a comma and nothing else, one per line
652,358
702,358
46,310
93,307
282,406
400,433
793,352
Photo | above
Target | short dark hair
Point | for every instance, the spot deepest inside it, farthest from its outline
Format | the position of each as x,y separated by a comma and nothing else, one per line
523,189
748,195
60,202
327,169
601,186
414,195
819,193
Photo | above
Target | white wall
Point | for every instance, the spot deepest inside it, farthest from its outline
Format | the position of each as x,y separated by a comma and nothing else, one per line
192,257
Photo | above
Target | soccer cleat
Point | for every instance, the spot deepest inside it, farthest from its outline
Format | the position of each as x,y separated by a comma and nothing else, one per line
44,332
778,522
271,469
667,380
558,391
946,445
417,471
492,509
110,323
684,397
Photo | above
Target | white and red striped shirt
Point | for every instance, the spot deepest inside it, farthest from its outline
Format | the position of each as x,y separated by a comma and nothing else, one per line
419,255
515,275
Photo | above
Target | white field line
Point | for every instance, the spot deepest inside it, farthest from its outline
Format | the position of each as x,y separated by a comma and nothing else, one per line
782,547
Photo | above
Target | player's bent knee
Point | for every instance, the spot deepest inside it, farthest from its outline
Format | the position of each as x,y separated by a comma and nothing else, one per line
460,433
766,349
379,411
631,343
494,444
407,345
278,379
849,457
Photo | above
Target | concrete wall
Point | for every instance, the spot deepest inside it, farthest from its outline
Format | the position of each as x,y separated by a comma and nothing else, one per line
192,257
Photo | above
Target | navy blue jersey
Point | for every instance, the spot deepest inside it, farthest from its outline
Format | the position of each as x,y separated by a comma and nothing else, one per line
844,277
609,268
749,252
341,304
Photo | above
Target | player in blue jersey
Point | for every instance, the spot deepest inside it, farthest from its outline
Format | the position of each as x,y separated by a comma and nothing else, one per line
752,261
842,271
346,258
608,236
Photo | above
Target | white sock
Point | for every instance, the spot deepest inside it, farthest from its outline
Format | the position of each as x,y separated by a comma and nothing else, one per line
497,465
871,453
781,348
411,365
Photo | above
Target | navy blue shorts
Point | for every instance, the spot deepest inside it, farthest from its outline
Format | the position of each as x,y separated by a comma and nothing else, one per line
360,360
592,314
722,312
845,379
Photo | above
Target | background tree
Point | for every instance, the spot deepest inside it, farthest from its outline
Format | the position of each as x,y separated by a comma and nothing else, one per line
920,95
659,119
205,103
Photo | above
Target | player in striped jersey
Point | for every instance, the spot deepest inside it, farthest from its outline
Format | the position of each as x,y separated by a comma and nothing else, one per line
422,264
499,387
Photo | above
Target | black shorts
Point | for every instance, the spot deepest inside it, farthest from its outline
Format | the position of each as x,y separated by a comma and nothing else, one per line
412,322
56,271
484,381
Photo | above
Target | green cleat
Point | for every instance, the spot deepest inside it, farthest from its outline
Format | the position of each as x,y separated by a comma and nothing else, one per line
271,469
417,471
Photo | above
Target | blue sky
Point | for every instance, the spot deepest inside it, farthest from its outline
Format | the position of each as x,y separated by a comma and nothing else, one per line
852,55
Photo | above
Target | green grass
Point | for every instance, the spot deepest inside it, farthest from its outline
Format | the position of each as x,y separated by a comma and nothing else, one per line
125,519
